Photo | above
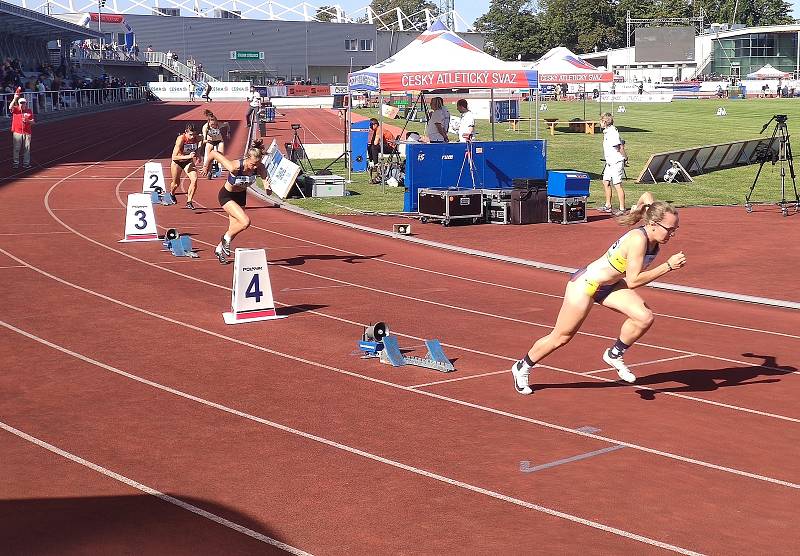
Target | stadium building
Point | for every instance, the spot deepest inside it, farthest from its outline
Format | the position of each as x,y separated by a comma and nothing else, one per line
665,54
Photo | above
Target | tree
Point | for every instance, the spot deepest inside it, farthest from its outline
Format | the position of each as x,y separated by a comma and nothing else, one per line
512,30
411,8
325,13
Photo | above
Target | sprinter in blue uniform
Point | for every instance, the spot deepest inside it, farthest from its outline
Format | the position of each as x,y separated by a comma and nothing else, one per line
232,197
611,280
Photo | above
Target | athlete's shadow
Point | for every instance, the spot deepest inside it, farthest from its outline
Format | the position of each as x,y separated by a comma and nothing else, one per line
692,380
301,259
706,380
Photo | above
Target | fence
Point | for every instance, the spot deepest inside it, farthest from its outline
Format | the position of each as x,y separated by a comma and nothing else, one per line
178,68
74,100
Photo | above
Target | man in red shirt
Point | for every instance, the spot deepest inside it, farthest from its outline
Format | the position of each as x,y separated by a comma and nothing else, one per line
21,124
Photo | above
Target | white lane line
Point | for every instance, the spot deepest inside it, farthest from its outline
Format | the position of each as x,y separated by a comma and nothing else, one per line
35,233
470,377
343,447
456,401
14,266
361,325
514,288
312,288
654,361
151,491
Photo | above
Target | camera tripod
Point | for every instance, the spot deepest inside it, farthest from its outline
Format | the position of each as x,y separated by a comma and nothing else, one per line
299,151
784,155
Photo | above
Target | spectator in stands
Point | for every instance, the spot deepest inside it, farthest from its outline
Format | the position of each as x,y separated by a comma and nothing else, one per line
135,51
207,92
169,58
614,171
192,88
640,90
22,120
438,122
466,129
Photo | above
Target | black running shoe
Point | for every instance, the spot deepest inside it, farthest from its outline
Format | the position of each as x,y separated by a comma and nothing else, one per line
189,205
173,197
226,246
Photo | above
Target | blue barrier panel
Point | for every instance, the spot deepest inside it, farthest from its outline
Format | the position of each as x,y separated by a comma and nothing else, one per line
359,137
497,163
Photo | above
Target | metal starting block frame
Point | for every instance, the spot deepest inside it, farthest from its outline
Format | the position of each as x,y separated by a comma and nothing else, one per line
435,360
160,197
180,247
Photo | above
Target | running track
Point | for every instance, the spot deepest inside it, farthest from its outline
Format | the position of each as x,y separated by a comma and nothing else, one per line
135,420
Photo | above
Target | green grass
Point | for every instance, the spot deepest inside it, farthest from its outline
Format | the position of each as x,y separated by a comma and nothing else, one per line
646,128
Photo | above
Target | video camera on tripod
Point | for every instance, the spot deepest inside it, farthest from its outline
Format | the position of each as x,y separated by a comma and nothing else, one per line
769,153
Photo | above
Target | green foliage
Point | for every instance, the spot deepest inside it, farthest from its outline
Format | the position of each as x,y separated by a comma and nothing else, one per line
325,13
529,29
409,7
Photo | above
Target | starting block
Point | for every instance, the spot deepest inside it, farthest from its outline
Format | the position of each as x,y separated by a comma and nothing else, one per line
178,245
436,359
159,197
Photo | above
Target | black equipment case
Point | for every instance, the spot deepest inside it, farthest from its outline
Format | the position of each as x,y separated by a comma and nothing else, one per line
529,201
450,204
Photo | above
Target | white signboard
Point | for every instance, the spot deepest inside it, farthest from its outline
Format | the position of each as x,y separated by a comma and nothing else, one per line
634,97
339,89
252,291
281,171
220,90
153,177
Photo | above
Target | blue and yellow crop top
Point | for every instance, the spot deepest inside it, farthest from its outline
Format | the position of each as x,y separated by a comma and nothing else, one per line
619,262
237,179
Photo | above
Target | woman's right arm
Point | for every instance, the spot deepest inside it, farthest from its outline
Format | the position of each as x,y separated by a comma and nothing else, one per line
230,166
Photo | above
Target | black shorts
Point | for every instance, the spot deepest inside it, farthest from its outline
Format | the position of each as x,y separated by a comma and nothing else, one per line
215,143
238,197
183,163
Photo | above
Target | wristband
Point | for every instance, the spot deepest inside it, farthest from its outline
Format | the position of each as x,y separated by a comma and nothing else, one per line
669,266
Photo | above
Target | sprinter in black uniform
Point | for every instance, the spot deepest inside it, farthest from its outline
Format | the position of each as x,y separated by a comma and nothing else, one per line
242,173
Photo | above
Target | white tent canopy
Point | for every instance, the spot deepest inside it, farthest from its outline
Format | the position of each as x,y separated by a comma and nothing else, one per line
560,65
440,59
769,72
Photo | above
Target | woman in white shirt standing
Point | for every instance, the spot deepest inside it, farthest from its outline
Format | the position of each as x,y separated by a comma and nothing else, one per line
438,122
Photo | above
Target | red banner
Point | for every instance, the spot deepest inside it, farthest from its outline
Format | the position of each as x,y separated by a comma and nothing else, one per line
487,79
107,18
308,90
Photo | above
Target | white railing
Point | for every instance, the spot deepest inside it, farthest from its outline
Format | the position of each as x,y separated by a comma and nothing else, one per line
123,55
74,100
178,68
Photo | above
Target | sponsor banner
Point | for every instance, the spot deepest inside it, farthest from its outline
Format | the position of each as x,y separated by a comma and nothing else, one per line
220,90
599,77
626,98
308,90
488,79
339,89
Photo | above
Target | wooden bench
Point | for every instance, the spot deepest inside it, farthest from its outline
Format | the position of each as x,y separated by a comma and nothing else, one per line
514,122
551,124
587,126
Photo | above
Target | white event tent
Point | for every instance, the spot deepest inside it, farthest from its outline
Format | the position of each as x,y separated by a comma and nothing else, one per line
769,72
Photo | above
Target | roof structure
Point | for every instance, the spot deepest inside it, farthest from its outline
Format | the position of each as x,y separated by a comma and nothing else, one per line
769,72
440,59
561,65
34,25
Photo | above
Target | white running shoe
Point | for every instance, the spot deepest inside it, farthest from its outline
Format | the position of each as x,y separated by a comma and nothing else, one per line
622,369
521,379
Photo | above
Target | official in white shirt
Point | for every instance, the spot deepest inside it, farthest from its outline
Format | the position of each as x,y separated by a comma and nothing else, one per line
254,98
466,129
438,122
614,154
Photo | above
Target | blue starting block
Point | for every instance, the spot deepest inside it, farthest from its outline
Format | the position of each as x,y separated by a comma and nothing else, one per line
435,360
178,245
160,197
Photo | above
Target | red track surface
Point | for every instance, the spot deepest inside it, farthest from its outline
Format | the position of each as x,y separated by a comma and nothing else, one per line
117,354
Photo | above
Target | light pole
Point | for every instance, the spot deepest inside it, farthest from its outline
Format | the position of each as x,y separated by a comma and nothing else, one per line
100,4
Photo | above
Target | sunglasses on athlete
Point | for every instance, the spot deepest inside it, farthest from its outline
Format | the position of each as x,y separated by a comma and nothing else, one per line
671,231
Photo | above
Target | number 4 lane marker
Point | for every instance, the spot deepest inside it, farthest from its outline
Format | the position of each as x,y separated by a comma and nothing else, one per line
140,220
252,291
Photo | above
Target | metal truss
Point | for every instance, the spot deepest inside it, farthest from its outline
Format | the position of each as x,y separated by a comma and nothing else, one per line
633,23
391,20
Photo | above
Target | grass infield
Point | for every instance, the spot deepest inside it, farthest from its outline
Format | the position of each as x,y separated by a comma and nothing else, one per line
646,129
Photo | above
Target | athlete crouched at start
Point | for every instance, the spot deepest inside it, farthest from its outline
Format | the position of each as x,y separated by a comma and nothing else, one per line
232,197
185,159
